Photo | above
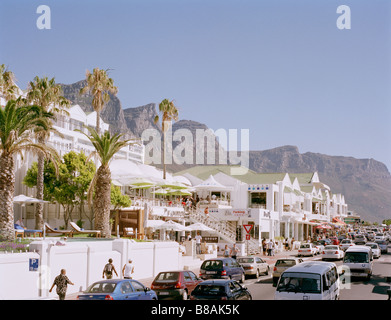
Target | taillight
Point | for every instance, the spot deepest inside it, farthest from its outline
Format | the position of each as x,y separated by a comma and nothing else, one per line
77,298
178,285
323,252
108,297
192,298
275,269
223,273
336,252
224,298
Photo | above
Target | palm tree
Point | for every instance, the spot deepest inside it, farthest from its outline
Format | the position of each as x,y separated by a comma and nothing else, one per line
99,84
17,124
106,146
169,113
8,88
48,95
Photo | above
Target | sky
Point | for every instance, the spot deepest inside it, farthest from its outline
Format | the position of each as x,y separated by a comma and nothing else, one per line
281,69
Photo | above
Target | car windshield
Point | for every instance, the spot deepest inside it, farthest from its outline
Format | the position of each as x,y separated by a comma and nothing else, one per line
379,234
331,248
345,241
167,276
209,290
285,263
101,287
212,265
372,245
381,242
356,257
299,282
245,260
305,246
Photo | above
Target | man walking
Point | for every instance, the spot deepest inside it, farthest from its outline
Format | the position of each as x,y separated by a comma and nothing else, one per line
198,239
108,270
61,281
128,270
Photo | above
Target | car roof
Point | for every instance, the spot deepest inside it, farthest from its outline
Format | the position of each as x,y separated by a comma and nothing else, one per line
219,282
311,267
358,249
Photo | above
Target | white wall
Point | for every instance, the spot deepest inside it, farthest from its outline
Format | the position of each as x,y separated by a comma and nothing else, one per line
83,261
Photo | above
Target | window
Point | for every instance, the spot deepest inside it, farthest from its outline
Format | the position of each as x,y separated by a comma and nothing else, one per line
192,276
171,276
126,287
187,276
299,282
137,286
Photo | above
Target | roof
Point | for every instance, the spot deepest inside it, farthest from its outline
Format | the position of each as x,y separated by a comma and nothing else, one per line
302,178
358,249
311,267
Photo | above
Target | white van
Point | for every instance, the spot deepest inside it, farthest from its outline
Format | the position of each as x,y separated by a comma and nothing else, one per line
358,261
312,280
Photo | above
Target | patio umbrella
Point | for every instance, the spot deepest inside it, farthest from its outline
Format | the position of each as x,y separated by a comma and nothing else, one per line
22,199
200,227
179,193
323,227
171,225
160,192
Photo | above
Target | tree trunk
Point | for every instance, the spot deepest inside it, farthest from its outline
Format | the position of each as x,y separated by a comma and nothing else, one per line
7,188
39,223
98,122
102,201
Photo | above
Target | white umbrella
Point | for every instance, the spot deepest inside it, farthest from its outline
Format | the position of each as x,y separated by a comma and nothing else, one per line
21,199
200,227
212,185
154,223
171,225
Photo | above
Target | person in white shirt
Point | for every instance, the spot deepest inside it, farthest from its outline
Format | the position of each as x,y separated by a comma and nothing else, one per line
198,239
128,270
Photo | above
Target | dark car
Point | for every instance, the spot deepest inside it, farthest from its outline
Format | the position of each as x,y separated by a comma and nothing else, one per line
324,242
219,289
222,268
360,239
117,289
175,285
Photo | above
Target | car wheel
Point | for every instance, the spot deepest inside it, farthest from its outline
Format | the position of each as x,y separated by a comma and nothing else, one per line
257,274
242,278
184,295
267,271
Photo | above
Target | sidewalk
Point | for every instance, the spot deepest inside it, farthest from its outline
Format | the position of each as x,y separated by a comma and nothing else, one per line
270,260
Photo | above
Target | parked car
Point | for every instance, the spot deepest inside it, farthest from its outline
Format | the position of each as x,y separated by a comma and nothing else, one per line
360,239
253,266
175,285
220,290
312,280
307,249
346,243
117,289
281,265
334,241
319,247
379,236
325,242
222,268
375,249
383,245
332,252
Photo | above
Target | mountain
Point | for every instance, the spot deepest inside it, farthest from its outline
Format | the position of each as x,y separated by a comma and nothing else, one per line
365,183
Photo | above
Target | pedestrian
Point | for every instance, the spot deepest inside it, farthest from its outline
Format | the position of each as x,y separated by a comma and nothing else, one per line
235,251
108,270
227,251
269,247
292,241
286,244
264,246
128,270
61,281
198,239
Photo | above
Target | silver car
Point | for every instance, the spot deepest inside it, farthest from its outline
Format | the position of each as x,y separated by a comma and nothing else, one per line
253,266
281,265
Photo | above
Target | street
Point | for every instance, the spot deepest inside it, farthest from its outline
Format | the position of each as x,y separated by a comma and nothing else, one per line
360,289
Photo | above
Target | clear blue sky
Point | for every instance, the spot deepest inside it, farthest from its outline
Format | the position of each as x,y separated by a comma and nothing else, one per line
281,69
